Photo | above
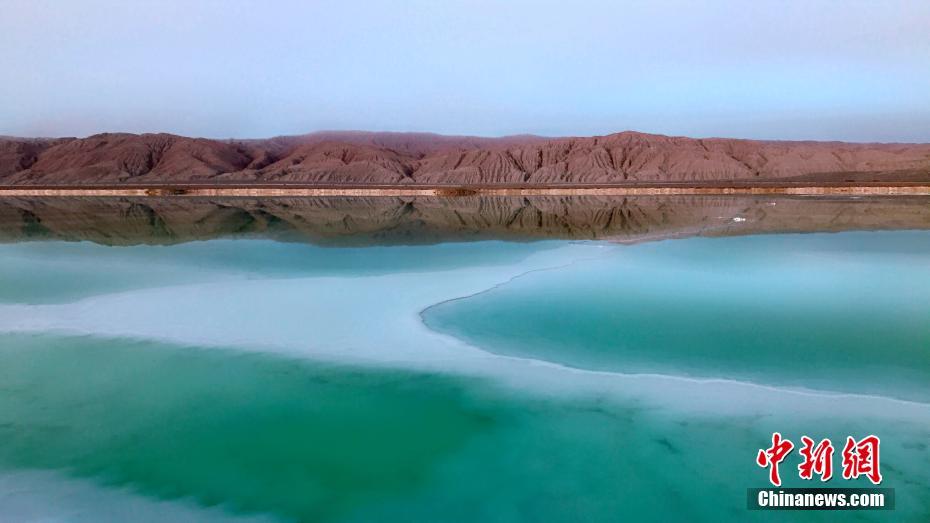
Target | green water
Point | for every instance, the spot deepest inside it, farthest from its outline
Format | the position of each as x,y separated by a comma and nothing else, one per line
848,312
297,438
312,442
250,432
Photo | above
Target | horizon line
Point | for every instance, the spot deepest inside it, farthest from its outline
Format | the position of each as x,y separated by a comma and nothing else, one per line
453,136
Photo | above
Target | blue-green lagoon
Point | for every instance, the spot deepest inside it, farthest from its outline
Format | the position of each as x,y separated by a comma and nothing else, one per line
454,360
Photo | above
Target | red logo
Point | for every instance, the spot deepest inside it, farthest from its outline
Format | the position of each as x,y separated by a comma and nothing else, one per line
860,458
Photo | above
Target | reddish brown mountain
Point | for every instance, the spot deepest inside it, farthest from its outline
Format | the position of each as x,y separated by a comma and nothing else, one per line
417,158
18,154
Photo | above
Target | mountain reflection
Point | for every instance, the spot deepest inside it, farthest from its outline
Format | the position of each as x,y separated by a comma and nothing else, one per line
390,220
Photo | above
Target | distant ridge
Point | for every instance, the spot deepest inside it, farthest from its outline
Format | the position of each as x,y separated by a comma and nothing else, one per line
360,158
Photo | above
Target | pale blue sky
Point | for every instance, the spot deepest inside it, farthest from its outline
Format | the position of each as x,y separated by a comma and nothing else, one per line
846,70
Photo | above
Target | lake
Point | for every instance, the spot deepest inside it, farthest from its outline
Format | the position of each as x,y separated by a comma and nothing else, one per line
454,359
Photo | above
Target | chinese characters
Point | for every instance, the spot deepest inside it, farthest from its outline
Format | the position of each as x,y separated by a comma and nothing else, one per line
859,458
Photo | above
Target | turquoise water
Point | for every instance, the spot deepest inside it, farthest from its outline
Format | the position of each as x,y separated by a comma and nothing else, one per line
56,272
350,424
847,312
311,442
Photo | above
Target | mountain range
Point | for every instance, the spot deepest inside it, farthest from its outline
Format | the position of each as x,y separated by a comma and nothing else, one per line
364,158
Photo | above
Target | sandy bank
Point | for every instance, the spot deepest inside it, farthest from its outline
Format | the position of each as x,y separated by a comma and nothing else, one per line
297,191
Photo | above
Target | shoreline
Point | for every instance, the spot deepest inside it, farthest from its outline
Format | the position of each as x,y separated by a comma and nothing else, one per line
294,190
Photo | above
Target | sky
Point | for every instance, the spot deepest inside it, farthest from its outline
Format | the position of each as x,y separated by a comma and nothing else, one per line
823,70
